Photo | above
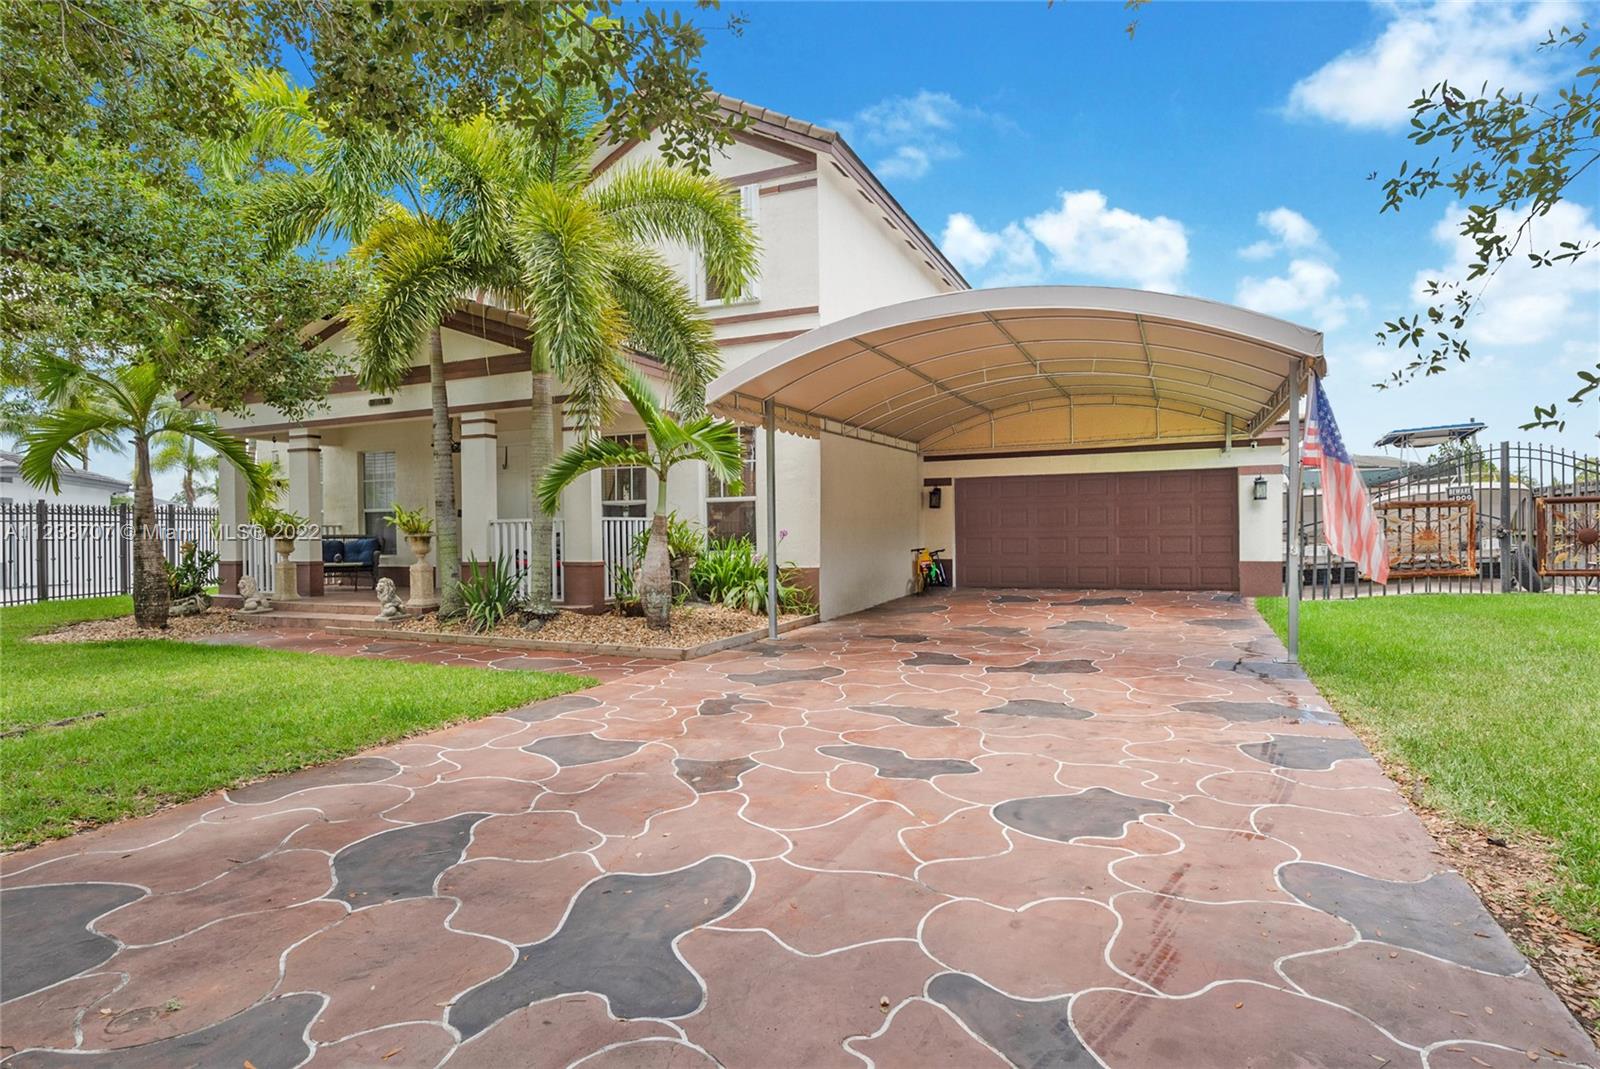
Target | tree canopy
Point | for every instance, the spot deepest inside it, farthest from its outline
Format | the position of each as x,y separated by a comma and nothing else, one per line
104,264
1510,158
134,71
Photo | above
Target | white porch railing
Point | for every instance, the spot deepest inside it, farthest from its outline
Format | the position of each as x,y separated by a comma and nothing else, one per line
617,534
260,556
258,561
512,541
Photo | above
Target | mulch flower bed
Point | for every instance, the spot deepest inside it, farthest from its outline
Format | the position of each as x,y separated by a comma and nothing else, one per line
691,626
211,622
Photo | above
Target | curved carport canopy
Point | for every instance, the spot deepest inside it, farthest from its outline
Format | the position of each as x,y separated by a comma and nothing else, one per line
1034,367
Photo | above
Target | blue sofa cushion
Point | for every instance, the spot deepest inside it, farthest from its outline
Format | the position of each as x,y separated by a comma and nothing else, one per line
333,550
362,550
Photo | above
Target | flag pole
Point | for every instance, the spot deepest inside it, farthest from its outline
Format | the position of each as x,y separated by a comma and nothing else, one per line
1293,557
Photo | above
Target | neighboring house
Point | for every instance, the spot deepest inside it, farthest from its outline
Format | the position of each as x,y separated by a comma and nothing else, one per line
1044,436
78,487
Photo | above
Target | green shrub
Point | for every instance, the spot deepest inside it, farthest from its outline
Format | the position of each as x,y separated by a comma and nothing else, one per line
490,592
192,575
410,521
278,523
729,572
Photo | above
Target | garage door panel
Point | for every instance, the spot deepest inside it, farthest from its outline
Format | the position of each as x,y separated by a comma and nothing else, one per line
1141,530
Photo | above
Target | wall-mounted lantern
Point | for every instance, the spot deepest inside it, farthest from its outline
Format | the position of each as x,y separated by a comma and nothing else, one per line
935,497
1258,490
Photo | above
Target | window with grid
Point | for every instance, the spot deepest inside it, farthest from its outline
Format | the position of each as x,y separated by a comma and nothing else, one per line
730,509
377,497
625,491
710,292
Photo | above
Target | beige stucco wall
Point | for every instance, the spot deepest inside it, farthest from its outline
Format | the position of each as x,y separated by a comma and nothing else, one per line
868,522
864,263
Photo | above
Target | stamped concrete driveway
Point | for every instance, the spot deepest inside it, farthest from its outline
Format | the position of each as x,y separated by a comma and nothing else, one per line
1049,830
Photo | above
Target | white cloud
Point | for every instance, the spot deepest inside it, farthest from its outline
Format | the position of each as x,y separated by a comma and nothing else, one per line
1010,250
1290,231
1085,236
1308,290
1372,87
909,134
1523,304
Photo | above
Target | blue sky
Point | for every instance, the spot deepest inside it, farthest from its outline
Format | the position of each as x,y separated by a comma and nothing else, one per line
1222,152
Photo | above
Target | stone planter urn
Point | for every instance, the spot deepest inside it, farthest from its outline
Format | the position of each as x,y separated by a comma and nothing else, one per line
284,580
423,597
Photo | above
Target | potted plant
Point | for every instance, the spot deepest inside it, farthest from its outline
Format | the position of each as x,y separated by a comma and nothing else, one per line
416,525
281,526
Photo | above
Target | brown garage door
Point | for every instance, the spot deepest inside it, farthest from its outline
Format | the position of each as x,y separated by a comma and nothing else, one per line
1169,530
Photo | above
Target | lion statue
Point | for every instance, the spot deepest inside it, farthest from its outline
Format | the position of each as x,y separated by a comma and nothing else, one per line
254,600
389,606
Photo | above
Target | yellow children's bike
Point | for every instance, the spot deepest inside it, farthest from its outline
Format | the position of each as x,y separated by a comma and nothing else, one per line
928,569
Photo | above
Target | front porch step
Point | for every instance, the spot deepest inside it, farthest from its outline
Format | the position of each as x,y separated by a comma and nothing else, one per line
317,618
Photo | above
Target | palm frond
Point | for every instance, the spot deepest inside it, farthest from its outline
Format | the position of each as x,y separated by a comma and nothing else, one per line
658,426
564,249
53,440
197,427
664,321
715,441
289,210
414,283
589,455
655,202
477,169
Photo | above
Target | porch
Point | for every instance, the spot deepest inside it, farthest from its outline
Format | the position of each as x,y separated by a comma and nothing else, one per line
345,477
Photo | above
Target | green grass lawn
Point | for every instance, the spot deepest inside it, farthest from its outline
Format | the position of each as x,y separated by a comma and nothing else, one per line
1493,699
183,719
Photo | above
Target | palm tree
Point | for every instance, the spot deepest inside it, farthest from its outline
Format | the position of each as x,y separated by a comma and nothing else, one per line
593,285
197,465
521,219
363,188
132,404
671,442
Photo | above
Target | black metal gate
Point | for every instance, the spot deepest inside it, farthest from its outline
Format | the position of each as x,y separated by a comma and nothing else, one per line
1474,520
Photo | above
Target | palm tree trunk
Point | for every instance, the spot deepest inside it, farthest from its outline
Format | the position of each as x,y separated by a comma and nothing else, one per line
655,572
447,525
541,451
188,486
152,595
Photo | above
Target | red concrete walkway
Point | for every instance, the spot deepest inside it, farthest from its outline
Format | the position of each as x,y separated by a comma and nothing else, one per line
973,830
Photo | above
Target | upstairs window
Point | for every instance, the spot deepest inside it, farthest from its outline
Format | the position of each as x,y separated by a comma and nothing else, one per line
709,291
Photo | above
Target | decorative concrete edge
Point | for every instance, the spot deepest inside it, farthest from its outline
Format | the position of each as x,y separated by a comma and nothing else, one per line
658,653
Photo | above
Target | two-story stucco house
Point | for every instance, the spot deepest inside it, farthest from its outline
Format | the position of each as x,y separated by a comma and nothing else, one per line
1043,436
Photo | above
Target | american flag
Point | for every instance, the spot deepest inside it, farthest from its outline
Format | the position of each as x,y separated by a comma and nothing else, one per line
1351,527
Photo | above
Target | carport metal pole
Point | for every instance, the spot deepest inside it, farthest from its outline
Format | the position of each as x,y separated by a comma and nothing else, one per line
1293,555
769,418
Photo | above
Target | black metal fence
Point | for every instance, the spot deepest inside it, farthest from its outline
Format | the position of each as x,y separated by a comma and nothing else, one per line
1489,519
50,551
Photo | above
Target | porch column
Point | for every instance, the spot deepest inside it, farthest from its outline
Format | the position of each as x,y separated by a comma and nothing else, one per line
1292,555
583,566
233,512
480,484
770,419
305,498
